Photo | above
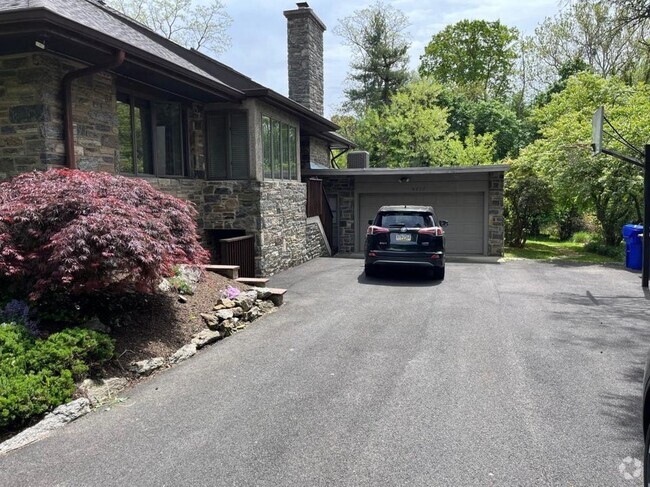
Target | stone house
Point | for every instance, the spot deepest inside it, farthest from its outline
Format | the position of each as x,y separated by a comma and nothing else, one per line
83,86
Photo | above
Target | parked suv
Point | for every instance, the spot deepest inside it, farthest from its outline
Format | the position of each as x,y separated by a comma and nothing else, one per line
406,235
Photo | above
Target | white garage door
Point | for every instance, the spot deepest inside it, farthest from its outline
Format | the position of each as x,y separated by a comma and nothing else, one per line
464,211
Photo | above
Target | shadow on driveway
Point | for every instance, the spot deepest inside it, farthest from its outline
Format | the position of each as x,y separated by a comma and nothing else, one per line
400,276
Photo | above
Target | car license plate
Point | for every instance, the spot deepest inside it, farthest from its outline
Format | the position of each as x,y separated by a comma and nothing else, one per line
402,237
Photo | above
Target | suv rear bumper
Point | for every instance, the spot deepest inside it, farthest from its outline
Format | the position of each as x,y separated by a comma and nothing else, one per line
429,259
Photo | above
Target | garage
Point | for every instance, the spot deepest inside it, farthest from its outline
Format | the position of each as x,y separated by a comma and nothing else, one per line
465,213
470,198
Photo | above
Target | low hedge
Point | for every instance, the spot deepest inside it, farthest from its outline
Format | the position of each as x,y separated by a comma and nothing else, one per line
36,374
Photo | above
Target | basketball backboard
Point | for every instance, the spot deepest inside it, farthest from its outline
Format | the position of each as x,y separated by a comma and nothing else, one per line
597,130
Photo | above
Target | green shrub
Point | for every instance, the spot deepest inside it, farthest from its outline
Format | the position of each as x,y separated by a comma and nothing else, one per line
36,375
582,237
600,248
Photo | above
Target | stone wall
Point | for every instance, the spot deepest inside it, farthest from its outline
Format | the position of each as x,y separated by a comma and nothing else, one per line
316,246
305,58
495,214
282,242
31,115
343,187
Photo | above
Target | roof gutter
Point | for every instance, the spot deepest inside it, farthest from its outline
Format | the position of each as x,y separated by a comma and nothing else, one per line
68,128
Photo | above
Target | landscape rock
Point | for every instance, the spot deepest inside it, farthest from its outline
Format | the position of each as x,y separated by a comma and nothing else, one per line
252,314
101,390
146,367
164,286
238,312
210,319
190,274
246,300
205,337
226,303
183,353
224,314
182,299
263,292
265,306
96,325
54,420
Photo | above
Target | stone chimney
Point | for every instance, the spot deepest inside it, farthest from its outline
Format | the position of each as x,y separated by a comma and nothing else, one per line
305,49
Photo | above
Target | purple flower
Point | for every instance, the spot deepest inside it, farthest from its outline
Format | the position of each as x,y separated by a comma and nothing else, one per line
18,311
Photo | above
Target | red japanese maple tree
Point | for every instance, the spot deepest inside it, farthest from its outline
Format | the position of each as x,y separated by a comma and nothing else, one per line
77,232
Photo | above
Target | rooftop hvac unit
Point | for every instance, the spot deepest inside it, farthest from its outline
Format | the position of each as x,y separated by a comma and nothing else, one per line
359,159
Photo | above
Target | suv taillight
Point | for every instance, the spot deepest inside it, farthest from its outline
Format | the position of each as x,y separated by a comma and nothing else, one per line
437,231
374,230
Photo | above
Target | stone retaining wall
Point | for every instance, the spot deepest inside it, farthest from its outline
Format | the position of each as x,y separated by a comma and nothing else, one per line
315,246
282,242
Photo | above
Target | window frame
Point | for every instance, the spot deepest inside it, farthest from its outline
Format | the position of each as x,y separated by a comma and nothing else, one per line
159,171
285,132
228,151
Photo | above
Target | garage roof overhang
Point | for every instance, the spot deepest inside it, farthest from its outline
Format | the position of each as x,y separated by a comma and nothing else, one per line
407,171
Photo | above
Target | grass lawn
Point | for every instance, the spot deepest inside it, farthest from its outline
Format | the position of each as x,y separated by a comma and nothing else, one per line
545,248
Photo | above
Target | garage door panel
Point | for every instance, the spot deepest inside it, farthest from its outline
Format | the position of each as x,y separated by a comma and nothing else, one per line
463,211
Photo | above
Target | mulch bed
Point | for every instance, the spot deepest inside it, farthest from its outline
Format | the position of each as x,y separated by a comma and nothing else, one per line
158,325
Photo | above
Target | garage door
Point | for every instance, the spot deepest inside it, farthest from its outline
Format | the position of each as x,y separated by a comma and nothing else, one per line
464,211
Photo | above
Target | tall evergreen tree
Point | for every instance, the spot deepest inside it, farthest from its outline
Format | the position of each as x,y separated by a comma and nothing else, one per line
379,47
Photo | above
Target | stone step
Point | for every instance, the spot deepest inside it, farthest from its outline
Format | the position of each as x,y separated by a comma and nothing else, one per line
253,281
277,295
231,271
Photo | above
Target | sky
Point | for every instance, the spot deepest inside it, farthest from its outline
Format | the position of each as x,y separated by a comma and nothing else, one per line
259,33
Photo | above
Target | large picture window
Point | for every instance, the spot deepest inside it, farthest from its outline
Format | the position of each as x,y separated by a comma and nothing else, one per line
152,137
227,142
279,148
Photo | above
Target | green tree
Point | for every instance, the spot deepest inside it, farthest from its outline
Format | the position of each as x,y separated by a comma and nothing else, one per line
379,45
413,132
608,187
192,24
486,117
475,55
588,32
527,203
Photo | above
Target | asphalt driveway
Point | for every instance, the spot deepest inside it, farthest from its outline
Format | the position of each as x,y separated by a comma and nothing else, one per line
522,373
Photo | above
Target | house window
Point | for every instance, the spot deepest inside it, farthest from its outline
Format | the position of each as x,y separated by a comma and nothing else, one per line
152,137
279,147
227,145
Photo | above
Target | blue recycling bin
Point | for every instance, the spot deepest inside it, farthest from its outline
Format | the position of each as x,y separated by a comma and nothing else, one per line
633,246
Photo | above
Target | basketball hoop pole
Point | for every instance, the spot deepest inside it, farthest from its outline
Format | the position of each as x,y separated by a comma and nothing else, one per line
646,218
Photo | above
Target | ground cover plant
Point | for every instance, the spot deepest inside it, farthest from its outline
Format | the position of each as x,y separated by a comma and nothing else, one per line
38,374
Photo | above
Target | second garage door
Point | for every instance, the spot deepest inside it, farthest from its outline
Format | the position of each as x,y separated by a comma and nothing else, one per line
464,211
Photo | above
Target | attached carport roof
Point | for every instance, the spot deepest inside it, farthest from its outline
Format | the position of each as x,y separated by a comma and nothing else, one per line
406,171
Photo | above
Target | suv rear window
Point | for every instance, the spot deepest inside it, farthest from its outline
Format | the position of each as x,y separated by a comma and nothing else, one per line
404,219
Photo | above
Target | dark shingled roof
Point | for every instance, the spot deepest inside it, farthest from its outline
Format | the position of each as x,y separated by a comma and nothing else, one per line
122,32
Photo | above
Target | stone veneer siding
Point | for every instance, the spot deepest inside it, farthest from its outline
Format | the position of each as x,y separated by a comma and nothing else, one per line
343,187
31,115
282,242
305,58
315,246
496,223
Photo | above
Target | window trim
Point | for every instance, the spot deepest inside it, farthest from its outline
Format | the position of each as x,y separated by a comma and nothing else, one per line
207,147
158,169
292,155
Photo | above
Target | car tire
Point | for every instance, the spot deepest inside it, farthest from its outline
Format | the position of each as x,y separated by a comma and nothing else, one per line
370,270
439,273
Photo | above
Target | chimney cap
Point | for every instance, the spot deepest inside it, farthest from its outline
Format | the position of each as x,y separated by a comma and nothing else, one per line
302,5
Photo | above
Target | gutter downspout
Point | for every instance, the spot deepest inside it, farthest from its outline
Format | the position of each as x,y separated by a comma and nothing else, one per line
68,130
